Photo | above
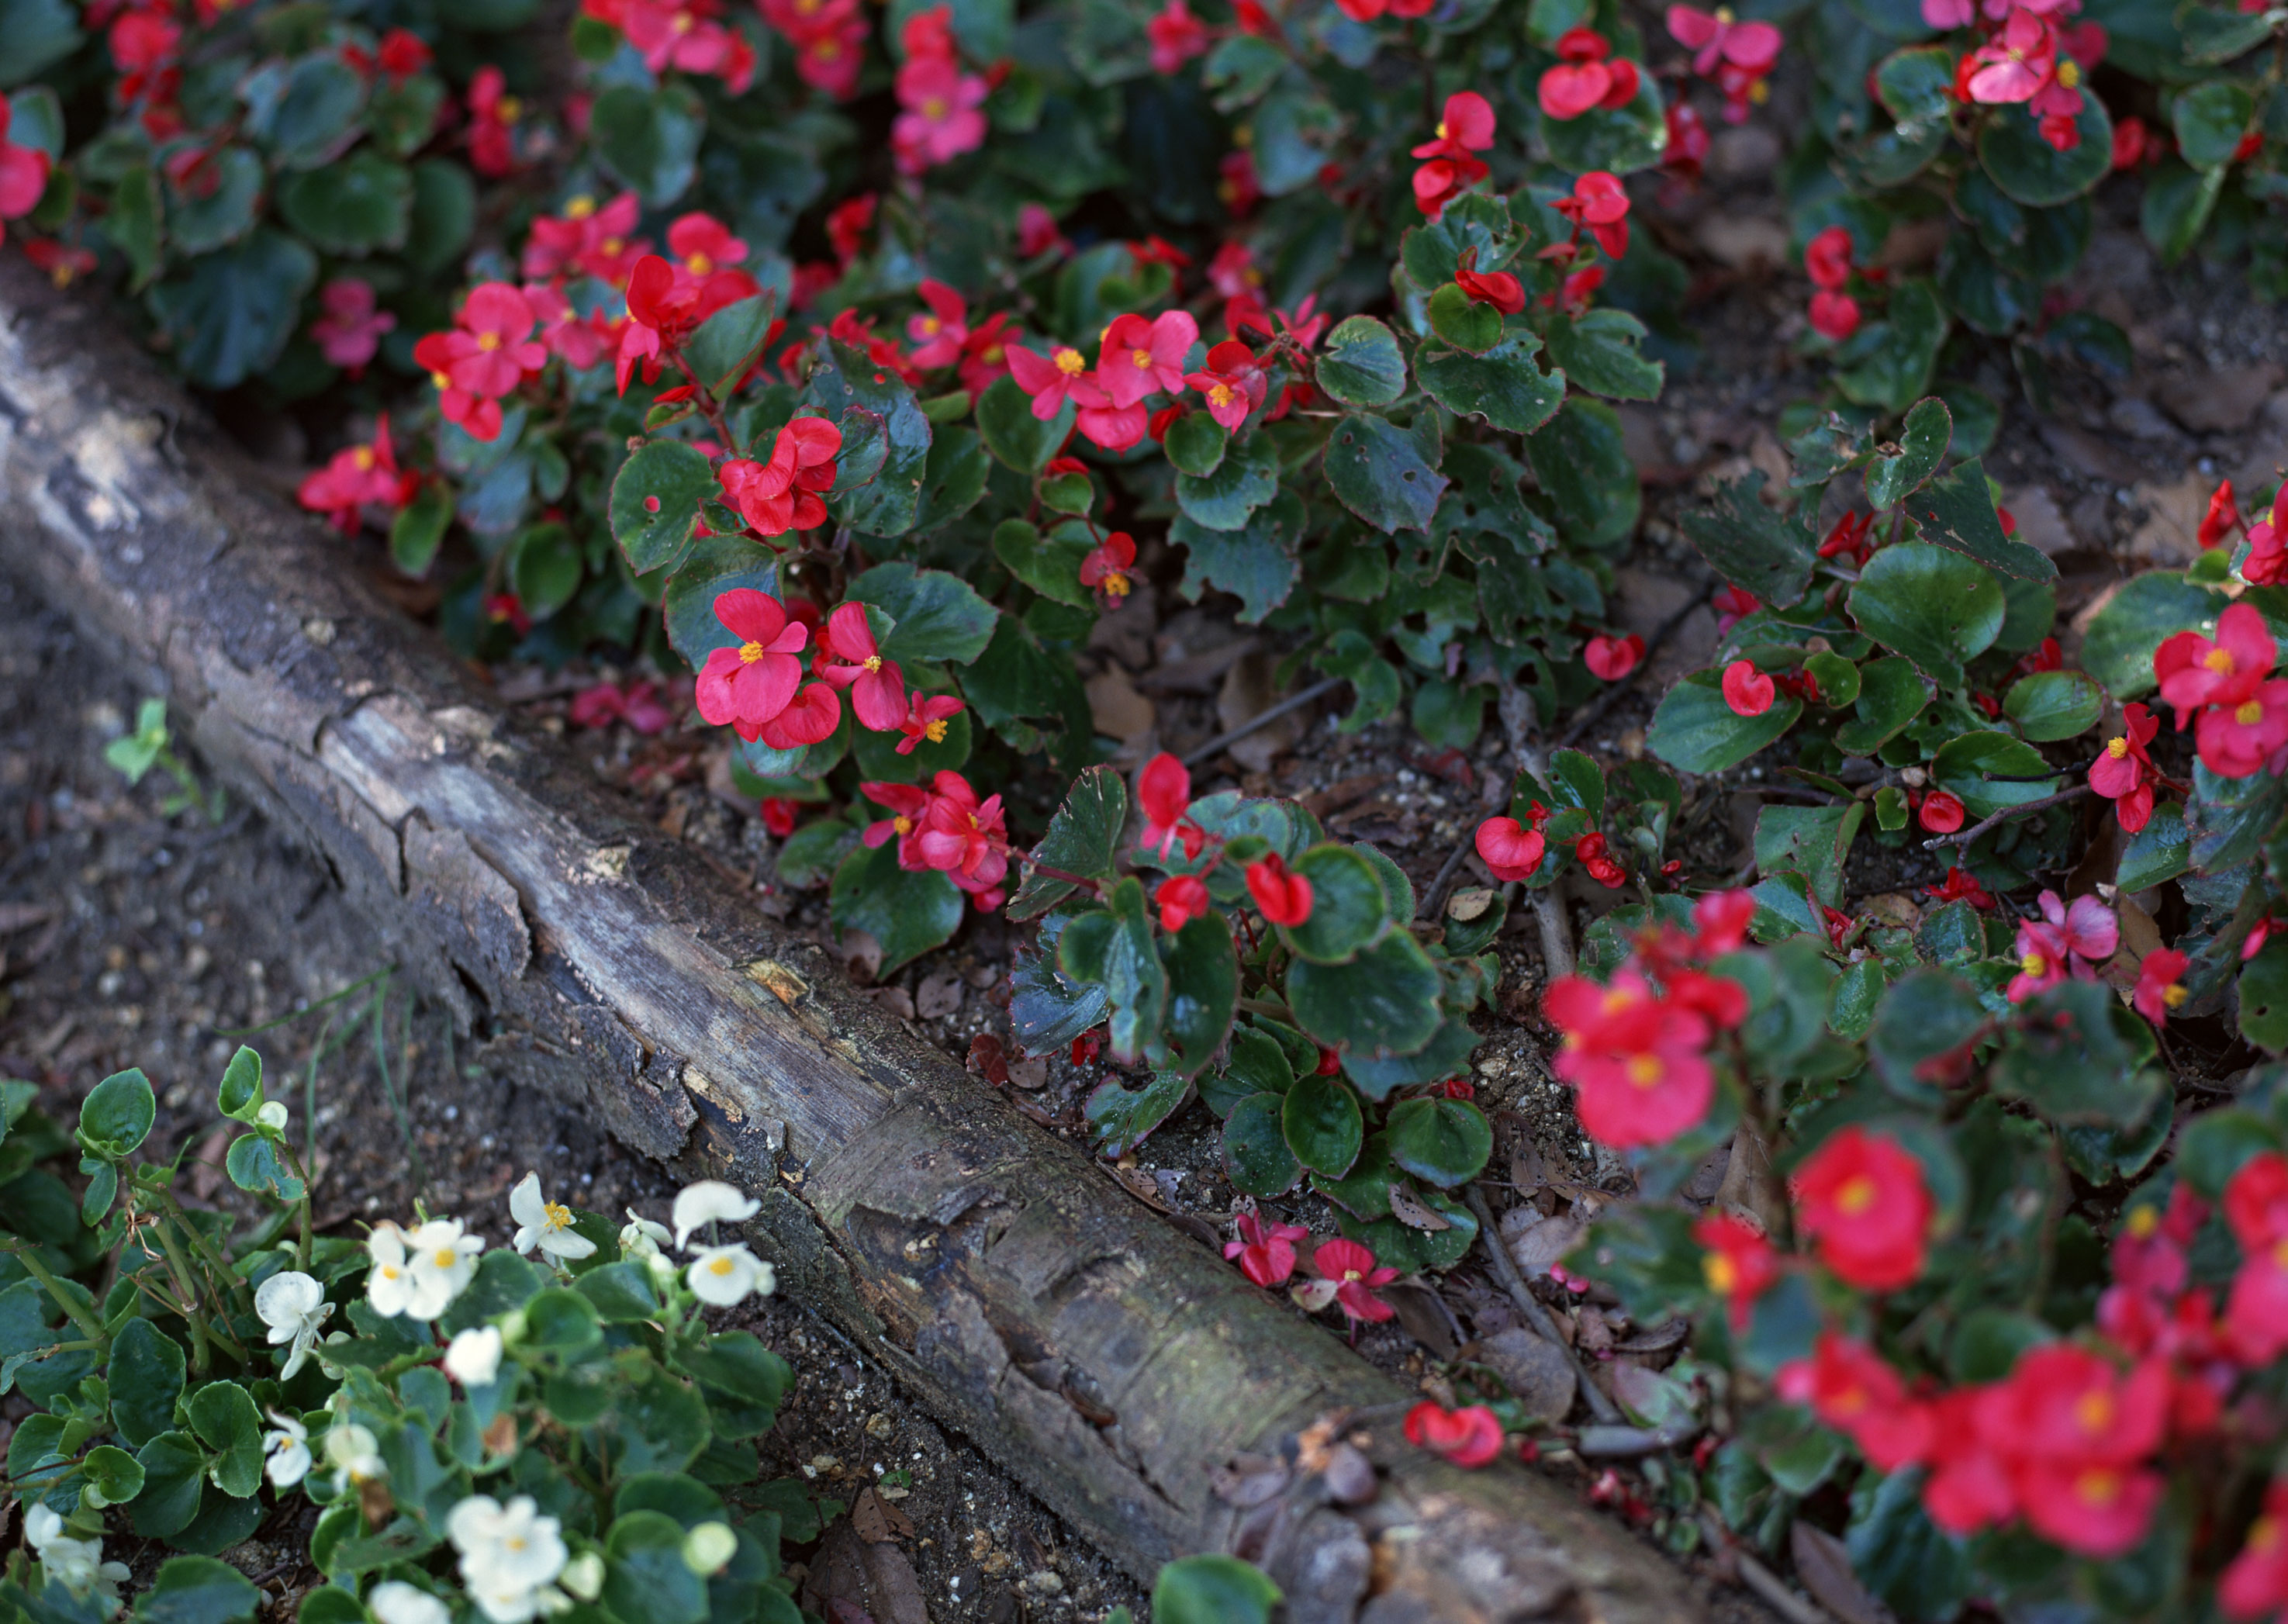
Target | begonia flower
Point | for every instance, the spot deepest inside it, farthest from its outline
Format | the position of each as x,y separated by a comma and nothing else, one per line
1861,1198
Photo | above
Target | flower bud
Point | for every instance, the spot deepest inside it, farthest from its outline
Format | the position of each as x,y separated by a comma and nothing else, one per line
584,1575
512,1327
272,1118
708,1548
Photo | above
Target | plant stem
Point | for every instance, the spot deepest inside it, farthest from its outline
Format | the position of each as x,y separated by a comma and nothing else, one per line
201,1355
1094,888
84,1317
1963,837
1601,1403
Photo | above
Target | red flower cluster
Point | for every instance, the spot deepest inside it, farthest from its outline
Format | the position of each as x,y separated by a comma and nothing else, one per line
940,121
1738,56
1827,261
1587,76
358,477
1176,36
668,299
682,34
494,116
782,494
2228,683
587,240
2064,941
1597,860
2124,772
829,38
945,827
1136,358
1637,1055
1451,166
1470,1437
2267,560
944,337
486,356
2027,61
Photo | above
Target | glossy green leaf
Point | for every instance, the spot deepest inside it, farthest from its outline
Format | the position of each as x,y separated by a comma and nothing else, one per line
224,1415
1203,976
1936,606
1258,563
1447,1142
1256,1158
1349,911
1016,438
1322,1121
2117,648
1083,838
1194,444
731,341
649,139
359,205
2210,118
1959,513
1505,385
1696,730
654,503
1892,473
844,380
1387,475
2052,705
1462,321
2013,151
909,913
117,1113
1360,364
939,616
1246,478
1767,554
1598,350
197,1590
1212,1590
1385,1001
1581,462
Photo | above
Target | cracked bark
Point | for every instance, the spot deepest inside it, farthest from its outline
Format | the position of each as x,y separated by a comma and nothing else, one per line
1110,1362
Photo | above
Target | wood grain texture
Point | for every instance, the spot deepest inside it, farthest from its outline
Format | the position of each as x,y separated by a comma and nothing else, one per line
1110,1362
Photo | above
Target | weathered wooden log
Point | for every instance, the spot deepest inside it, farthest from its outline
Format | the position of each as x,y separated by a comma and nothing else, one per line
1112,1363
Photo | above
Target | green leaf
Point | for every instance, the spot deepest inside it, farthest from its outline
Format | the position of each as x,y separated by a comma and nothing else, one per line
229,314
1936,606
117,1113
1016,438
716,565
315,111
1121,1117
2012,150
2217,1143
645,1577
1255,1155
1348,909
1696,729
1323,1127
1599,353
1889,362
1446,1141
1387,475
146,1377
561,1321
1212,1590
1767,554
654,503
1246,478
2117,648
1383,1002
174,1469
1812,841
908,912
2052,705
1923,1573
1257,562
239,1095
649,139
114,1476
2067,1060
133,222
2212,36
1922,1031
1203,976
197,1590
1361,364
254,1166
1619,139
34,35
730,341
1083,838
1959,513
224,1415
419,528
218,206
1194,444
1114,948
2176,207
361,204
1048,564
2210,119
1991,771
546,568
444,215
1892,475
1462,321
2264,999
940,617
2161,850
1582,465
1504,386
888,503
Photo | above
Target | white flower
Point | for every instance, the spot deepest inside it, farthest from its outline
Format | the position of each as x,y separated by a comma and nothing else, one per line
332,1372
642,1238
724,1275
545,1223
709,1201
41,1524
510,1556
273,1115
474,1357
293,1305
390,1285
76,1564
286,1451
443,1257
354,1455
396,1601
709,1547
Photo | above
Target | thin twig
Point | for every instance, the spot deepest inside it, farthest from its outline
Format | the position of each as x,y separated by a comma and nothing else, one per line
1436,894
1605,702
1769,1587
1601,1403
1286,706
1963,837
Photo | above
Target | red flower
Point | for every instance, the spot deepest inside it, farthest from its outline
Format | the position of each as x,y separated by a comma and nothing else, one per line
1498,289
1941,812
2255,1585
2064,941
939,335
1600,203
1265,1251
1861,1196
752,682
1638,1065
594,241
639,705
1176,37
1511,849
2072,1432
1139,356
1164,789
1848,540
926,720
1746,690
907,802
2160,984
1181,898
2244,718
1961,885
2124,771
940,121
1351,1267
878,688
846,225
1584,79
2222,519
1283,896
1834,316
1687,141
1050,378
1611,659
1469,1438
402,53
507,609
779,814
1740,1264
1716,39
486,355
782,495
357,477
493,114
1590,849
2267,562
1849,1387
1722,918
962,836
1109,568
812,715
350,330
1232,382
1038,232
1466,129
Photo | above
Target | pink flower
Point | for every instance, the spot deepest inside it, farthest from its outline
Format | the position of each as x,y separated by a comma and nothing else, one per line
812,713
1182,898
1176,37
1469,1438
1946,15
1050,378
1141,356
940,121
596,241
1746,690
1834,316
878,688
782,495
357,477
1351,1267
1109,568
350,330
1164,789
1610,659
1038,232
2015,63
906,803
1265,1251
1714,37
1466,129
2124,772
2063,940
2160,984
926,720
491,349
939,336
23,173
750,685
1232,382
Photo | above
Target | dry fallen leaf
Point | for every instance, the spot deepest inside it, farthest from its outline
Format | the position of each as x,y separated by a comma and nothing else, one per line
938,996
876,1520
1411,1210
1536,1371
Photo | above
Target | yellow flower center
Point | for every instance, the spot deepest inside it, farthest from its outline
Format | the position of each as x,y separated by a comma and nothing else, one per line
1760,92
555,1215
2069,73
873,662
1116,585
2280,1253
2175,993
613,245
2145,1221
935,732
683,21
364,459
2100,1486
509,109
1849,1402
2094,1411
1857,1194
63,275
1220,394
1724,15
580,208
1644,1070
749,653
2116,748
930,325
1072,364
488,341
827,50
904,825
2264,1533
721,1265
1442,129
2033,964
2219,661
935,107
995,354
1352,1274
2250,713
445,1257
1139,359
389,1272
1722,1273
698,265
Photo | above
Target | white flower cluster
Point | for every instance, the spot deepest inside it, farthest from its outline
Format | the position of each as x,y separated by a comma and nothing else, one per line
76,1564
511,1558
421,1272
718,1275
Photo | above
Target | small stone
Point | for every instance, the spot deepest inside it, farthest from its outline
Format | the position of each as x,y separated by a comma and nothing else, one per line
1536,1371
2221,401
